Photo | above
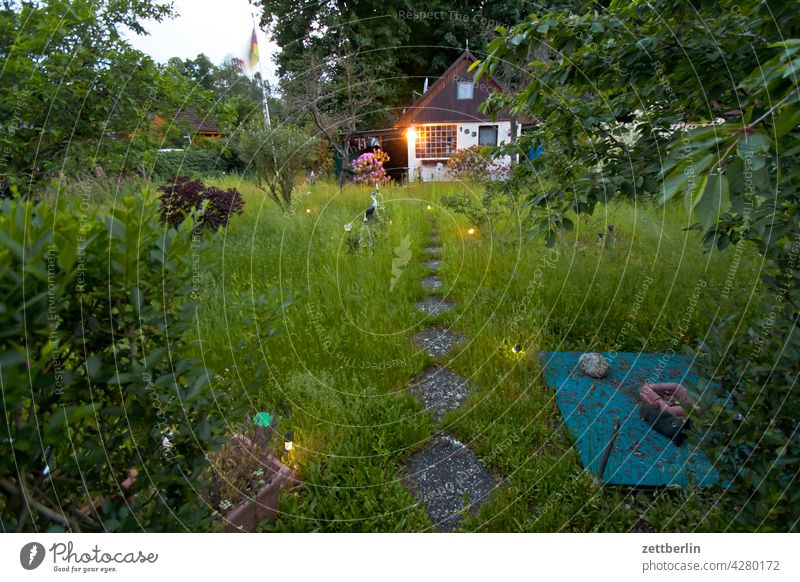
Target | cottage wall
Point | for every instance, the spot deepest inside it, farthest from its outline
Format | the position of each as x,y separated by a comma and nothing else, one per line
466,136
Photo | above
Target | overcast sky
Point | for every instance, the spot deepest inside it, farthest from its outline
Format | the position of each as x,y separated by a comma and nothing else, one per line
217,28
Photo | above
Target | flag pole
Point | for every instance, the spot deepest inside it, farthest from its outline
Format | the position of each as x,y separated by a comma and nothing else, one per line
263,81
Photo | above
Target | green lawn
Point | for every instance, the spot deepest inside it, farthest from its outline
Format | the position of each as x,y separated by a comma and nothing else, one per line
340,367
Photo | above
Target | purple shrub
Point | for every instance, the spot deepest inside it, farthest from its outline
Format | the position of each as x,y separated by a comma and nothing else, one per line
184,195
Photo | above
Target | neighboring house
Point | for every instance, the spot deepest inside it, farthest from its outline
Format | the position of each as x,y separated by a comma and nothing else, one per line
196,126
444,119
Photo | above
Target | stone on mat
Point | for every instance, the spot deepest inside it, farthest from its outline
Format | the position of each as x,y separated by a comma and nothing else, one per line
594,365
435,305
432,264
431,283
437,339
440,390
448,480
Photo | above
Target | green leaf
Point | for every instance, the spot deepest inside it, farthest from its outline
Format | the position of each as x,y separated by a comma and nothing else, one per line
787,120
752,147
714,199
69,415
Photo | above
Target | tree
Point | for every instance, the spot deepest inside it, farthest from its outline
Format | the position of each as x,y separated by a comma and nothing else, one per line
276,155
402,42
72,92
615,98
229,84
337,97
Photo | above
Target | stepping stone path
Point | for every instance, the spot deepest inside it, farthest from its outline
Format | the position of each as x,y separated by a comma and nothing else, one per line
435,306
445,476
432,283
440,390
448,479
437,339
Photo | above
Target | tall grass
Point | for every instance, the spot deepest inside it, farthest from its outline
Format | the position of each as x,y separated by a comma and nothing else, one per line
341,366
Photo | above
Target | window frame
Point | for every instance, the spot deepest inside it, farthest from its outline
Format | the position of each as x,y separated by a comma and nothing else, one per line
459,85
496,134
442,148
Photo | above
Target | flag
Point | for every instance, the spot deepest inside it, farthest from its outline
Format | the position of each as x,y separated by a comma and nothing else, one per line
252,57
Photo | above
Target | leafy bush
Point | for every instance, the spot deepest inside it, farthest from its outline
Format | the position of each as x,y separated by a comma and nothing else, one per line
191,162
96,385
469,164
214,206
475,164
368,168
276,155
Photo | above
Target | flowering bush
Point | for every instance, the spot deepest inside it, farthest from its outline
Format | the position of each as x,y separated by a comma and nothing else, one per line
475,164
368,168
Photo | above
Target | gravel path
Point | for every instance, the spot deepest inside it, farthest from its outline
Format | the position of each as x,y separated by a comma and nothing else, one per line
440,390
431,283
445,476
435,306
448,480
437,339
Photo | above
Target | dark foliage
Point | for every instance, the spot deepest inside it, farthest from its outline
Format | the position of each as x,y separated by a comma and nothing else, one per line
215,206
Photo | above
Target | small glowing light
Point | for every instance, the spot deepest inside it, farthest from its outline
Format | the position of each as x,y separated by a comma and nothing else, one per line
411,134
308,211
517,349
471,230
429,207
288,444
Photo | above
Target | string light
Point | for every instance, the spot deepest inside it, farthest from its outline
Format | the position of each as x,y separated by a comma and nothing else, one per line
429,207
471,230
517,349
287,441
308,211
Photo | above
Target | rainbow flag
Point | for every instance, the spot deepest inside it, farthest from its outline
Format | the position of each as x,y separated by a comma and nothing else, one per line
252,57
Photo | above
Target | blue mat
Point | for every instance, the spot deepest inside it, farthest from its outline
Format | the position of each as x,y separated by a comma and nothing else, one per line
641,456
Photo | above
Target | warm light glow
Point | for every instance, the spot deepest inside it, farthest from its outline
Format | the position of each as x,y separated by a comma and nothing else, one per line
429,206
308,211
471,230
411,134
288,445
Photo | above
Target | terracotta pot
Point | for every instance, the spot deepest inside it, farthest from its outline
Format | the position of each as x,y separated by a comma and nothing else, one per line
246,516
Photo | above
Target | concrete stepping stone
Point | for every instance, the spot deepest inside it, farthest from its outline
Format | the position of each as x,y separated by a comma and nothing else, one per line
440,390
437,339
433,250
448,480
435,306
435,241
432,264
432,283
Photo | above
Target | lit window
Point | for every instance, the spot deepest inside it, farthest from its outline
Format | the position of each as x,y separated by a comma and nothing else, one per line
464,90
435,142
487,135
